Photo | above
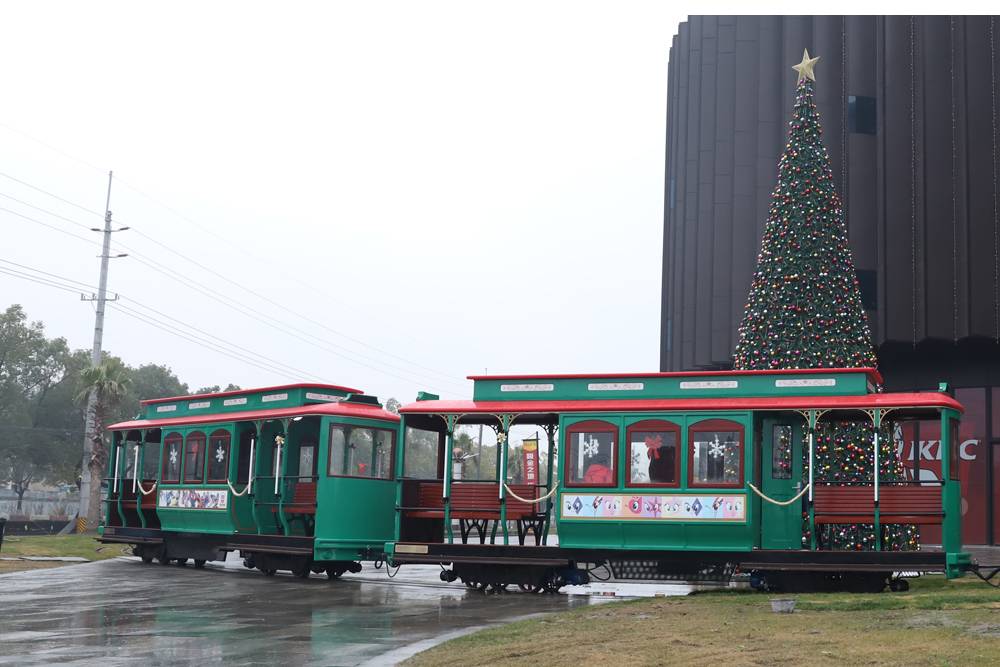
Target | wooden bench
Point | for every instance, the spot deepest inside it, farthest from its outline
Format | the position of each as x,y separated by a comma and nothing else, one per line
303,505
910,504
475,505
897,504
844,504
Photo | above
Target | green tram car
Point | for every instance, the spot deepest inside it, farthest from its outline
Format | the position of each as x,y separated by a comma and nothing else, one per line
296,477
686,476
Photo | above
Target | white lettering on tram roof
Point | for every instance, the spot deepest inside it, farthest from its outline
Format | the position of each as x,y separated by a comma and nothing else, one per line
713,384
527,387
234,401
615,386
166,408
199,405
818,382
274,397
322,397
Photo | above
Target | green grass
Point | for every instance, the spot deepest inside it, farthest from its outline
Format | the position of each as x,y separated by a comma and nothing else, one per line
937,622
58,545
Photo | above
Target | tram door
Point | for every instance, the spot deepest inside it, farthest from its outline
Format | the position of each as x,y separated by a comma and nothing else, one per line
781,480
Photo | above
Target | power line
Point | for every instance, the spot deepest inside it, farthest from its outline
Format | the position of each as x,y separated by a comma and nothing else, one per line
203,343
65,201
124,247
283,307
223,341
53,148
69,280
45,224
209,292
270,364
208,231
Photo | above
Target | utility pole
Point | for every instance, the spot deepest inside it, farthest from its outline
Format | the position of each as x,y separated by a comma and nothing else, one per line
100,298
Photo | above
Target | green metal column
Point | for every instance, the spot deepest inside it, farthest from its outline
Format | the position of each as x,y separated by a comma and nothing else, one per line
878,522
140,458
812,511
951,495
116,468
259,425
400,444
502,443
280,476
446,486
550,432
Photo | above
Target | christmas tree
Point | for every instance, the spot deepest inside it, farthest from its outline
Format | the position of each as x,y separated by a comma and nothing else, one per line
805,310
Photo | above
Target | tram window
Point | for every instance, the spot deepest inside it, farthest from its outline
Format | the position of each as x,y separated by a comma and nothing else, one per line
591,455
194,458
382,455
151,461
781,452
954,469
128,464
218,457
172,446
420,454
360,452
653,456
307,459
716,454
243,464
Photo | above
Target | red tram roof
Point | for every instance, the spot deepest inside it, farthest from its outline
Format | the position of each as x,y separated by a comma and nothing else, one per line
340,409
300,385
873,374
865,402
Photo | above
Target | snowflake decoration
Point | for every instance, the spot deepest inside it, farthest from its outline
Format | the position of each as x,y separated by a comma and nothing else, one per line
715,449
307,457
173,455
220,454
591,448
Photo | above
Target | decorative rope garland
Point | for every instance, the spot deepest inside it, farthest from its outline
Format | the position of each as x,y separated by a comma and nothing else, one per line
238,493
775,502
144,491
517,497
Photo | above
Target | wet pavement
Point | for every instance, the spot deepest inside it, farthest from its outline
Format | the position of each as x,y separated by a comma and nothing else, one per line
120,611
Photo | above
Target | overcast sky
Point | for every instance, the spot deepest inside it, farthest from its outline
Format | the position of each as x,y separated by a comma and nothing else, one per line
388,196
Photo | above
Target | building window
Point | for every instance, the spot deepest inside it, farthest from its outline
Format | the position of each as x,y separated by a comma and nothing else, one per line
592,453
653,460
861,117
172,446
716,454
218,457
194,458
868,288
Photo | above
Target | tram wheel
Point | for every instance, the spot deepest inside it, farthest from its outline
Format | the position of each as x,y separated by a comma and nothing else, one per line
269,573
302,569
475,585
530,588
899,585
163,560
333,572
147,559
199,562
182,561
498,588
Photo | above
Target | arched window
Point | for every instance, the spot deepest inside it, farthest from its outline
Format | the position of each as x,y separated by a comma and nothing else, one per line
715,454
218,457
654,454
173,449
194,458
592,454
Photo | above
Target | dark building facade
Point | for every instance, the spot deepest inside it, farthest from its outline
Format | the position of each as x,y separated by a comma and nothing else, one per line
908,106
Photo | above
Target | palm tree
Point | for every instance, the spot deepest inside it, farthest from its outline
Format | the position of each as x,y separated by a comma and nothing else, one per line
101,388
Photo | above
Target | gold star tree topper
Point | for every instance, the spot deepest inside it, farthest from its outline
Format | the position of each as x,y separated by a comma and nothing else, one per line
805,68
